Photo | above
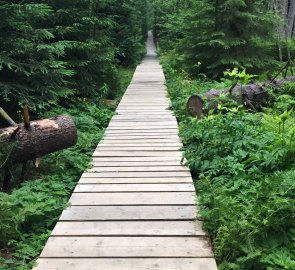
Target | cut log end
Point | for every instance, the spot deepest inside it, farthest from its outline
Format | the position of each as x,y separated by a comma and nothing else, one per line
41,138
195,106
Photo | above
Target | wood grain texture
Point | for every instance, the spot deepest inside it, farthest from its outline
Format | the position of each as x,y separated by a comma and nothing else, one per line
127,264
119,213
139,198
82,188
136,174
138,180
129,228
127,247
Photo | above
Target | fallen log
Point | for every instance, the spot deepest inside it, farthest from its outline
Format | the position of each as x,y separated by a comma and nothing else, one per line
252,96
42,137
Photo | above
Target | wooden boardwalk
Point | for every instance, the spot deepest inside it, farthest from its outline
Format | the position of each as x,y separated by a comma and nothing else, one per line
135,209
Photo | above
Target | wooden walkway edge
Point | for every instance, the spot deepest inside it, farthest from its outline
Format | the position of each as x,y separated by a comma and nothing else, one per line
135,209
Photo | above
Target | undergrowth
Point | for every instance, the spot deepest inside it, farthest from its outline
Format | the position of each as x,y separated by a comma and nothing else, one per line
243,166
29,212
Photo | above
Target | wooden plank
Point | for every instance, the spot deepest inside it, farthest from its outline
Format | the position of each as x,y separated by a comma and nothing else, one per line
139,159
127,247
146,142
140,136
142,132
141,144
136,148
129,228
137,154
121,213
134,164
90,188
135,174
131,180
142,141
139,198
145,117
127,264
145,127
140,169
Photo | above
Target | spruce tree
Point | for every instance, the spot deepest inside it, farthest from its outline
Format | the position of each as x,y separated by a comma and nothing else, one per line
30,68
223,34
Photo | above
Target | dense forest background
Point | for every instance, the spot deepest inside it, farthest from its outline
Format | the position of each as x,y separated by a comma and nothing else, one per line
77,57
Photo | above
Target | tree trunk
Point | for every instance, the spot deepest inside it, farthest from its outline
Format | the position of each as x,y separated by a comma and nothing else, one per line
290,20
41,138
252,96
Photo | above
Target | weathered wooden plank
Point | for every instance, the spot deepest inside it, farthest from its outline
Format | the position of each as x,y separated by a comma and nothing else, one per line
145,116
139,159
119,137
144,127
131,153
139,131
120,213
143,124
139,180
127,247
142,132
129,228
139,143
189,187
136,148
127,264
140,169
134,164
139,198
143,141
135,174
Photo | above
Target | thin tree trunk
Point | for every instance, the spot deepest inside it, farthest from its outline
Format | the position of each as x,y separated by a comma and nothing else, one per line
291,19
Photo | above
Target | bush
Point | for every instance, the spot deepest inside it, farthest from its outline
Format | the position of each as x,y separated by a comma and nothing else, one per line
243,166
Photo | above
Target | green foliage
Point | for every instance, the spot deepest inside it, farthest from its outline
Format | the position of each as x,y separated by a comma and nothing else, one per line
29,213
243,165
219,34
30,71
56,50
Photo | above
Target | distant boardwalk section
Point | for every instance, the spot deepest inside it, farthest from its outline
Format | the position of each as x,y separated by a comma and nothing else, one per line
135,209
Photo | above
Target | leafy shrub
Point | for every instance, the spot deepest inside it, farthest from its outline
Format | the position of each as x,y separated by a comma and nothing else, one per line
29,213
243,165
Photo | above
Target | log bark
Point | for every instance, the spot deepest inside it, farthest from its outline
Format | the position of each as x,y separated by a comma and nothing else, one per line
252,96
42,137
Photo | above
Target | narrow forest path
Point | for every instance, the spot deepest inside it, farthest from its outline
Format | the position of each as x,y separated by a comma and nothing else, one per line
135,209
